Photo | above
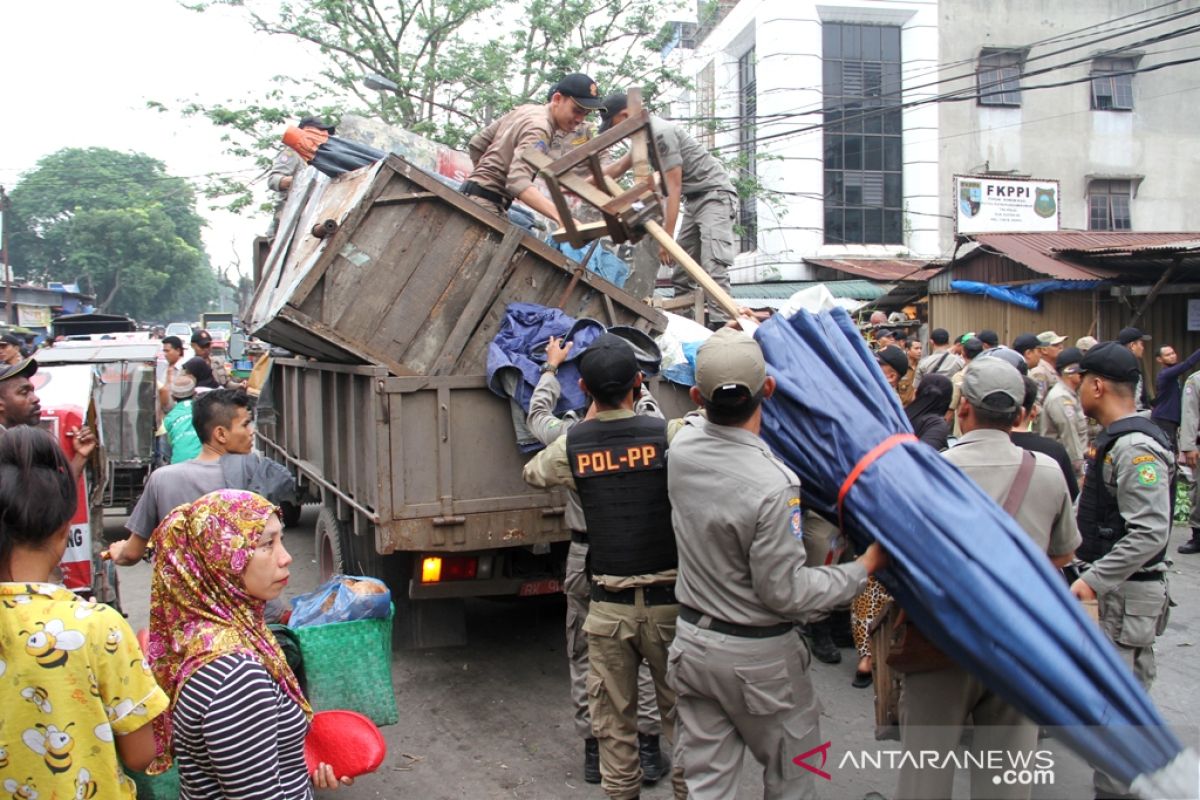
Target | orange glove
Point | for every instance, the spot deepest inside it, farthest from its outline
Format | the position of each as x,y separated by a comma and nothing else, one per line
305,141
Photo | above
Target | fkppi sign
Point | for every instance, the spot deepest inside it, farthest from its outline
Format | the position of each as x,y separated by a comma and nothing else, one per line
1004,205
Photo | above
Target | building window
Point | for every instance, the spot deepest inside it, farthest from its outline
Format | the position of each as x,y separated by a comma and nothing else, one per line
1108,206
1112,90
864,190
706,105
998,77
747,149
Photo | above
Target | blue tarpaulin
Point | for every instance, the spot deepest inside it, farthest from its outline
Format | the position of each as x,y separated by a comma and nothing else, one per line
964,571
602,262
1028,295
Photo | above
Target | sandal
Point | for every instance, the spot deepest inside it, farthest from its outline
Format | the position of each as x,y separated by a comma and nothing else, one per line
861,679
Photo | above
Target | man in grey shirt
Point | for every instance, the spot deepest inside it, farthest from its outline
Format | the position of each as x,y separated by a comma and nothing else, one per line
941,359
695,177
224,424
739,668
936,703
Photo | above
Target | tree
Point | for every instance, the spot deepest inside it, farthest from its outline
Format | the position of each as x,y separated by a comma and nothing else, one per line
117,224
458,64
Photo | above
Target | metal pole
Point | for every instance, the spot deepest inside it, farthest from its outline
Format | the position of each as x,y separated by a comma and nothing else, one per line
8,299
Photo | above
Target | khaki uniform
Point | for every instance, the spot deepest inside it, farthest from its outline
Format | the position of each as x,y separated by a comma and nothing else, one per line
494,152
956,381
906,387
1045,376
742,568
619,638
1137,471
1189,437
944,363
546,428
1062,419
935,705
709,203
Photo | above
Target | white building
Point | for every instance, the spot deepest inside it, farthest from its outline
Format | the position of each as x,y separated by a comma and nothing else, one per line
854,117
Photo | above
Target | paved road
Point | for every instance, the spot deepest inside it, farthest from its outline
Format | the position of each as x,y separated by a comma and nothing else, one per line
492,720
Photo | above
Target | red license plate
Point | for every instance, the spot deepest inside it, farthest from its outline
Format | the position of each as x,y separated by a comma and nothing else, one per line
545,586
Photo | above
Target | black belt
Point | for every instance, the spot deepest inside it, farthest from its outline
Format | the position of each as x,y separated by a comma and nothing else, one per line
720,626
651,595
580,537
471,188
1146,576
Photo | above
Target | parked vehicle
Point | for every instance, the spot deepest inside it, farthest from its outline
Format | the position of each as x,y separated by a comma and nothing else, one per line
181,329
387,420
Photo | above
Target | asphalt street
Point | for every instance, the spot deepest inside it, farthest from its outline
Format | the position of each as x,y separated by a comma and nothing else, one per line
493,719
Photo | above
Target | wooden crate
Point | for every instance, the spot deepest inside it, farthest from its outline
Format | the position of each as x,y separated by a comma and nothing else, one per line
415,277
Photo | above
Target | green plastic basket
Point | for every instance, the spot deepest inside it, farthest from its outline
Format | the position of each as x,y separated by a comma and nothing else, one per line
348,665
156,787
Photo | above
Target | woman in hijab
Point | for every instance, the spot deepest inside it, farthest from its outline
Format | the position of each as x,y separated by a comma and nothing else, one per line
238,719
927,411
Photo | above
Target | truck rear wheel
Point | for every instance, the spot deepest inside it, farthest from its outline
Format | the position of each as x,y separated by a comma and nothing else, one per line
329,545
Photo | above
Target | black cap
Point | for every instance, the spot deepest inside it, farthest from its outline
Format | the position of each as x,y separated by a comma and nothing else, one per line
972,347
939,336
1111,360
23,368
202,338
582,90
894,357
614,104
1131,335
990,338
884,333
319,124
1068,358
11,338
608,365
1025,342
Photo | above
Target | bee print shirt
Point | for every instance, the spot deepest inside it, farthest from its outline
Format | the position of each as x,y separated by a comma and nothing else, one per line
72,677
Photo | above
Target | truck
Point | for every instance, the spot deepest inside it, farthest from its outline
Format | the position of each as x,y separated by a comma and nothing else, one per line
387,287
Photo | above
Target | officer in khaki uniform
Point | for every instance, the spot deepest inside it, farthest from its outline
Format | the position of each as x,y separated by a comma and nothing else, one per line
617,464
500,175
1050,344
697,179
1189,449
546,428
1124,515
1062,419
935,704
739,668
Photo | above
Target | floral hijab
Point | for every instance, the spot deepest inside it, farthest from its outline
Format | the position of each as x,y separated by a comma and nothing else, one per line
199,607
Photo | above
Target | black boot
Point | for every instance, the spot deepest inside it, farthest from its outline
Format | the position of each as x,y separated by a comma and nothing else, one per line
821,636
655,763
1191,545
591,761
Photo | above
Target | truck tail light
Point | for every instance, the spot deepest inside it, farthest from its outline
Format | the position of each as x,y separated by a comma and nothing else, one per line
435,569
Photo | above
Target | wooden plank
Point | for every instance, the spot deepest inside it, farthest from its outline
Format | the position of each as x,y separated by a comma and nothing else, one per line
597,144
586,232
565,218
329,334
719,296
498,269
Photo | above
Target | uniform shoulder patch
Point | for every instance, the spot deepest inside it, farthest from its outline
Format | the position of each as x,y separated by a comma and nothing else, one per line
541,146
1144,459
1147,475
797,523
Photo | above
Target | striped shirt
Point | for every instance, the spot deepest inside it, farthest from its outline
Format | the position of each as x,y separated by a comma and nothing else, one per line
238,735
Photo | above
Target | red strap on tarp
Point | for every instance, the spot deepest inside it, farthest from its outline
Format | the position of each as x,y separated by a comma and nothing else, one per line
866,461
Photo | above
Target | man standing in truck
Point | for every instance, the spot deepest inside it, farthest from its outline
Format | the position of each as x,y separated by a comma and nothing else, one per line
500,175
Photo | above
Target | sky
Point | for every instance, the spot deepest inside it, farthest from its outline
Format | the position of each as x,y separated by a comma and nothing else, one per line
79,74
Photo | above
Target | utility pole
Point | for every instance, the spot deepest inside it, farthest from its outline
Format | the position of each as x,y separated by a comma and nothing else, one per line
8,298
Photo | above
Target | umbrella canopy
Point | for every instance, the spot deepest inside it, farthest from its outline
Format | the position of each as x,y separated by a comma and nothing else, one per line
338,155
962,568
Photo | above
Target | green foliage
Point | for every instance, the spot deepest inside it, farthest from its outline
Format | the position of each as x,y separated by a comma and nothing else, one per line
458,64
119,225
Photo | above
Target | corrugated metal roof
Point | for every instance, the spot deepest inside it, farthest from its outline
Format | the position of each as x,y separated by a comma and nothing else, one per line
782,290
1162,248
881,269
1047,253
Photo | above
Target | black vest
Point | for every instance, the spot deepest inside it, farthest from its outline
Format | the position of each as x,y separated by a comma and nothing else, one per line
1100,522
620,469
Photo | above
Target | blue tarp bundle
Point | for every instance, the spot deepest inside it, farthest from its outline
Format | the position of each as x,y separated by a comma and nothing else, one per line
1028,295
603,262
967,574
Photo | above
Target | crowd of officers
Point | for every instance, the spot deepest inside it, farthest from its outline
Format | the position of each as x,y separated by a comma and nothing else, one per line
684,602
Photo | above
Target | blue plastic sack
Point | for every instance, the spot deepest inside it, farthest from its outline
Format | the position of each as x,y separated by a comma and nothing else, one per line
342,598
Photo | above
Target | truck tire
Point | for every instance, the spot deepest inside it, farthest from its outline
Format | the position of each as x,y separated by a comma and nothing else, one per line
330,541
290,514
